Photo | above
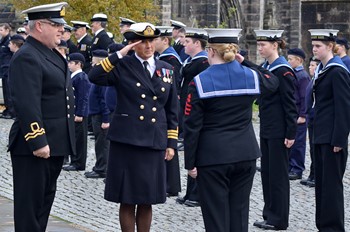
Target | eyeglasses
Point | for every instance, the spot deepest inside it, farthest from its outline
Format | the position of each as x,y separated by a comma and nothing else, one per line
53,24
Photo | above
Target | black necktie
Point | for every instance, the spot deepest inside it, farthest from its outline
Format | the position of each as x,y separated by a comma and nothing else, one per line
145,63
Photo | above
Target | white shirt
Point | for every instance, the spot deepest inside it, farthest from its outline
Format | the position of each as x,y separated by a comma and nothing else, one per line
75,73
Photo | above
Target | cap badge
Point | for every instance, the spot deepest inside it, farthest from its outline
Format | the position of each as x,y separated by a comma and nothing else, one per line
148,31
63,12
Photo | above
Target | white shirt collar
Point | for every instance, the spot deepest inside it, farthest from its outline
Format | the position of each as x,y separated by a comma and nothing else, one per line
81,38
76,72
151,63
98,31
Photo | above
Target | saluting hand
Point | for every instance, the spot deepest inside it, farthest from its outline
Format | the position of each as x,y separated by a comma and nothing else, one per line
289,142
43,152
193,173
128,47
239,58
169,153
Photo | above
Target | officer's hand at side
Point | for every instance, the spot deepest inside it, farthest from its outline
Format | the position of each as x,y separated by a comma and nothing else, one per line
337,149
289,142
78,119
193,173
105,125
128,47
169,153
43,152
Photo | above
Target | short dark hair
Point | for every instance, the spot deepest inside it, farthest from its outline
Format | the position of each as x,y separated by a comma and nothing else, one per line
203,42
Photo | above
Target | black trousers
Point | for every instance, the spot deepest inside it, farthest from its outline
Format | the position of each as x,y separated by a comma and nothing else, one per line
34,186
275,181
312,153
173,175
224,191
7,97
329,172
101,144
297,151
79,160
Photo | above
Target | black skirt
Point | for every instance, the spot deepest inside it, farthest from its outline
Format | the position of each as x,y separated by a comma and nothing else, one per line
135,175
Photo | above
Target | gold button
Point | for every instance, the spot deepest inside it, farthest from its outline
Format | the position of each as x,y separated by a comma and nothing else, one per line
142,118
138,84
155,98
68,115
153,120
142,107
143,95
154,109
162,89
72,88
68,107
67,98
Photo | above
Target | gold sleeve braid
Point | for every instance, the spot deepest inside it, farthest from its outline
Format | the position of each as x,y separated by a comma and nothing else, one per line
173,134
106,65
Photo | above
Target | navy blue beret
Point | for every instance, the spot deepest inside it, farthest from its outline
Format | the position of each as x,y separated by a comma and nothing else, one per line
76,56
342,41
297,52
114,47
17,37
100,53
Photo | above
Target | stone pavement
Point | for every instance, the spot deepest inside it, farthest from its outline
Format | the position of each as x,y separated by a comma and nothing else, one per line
79,203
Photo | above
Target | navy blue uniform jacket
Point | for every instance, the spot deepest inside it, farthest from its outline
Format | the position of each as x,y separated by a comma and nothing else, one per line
43,99
81,86
147,108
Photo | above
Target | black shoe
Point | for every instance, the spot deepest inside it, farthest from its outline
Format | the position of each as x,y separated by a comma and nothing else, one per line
294,176
311,183
72,168
191,203
180,200
94,175
259,224
172,194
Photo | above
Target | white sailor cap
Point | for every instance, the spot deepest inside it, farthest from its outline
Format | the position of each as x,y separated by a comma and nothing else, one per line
268,35
177,24
223,35
100,17
165,30
323,34
21,30
139,31
79,24
53,12
196,33
125,21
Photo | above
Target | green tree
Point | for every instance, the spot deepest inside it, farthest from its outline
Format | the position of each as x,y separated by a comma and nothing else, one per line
83,10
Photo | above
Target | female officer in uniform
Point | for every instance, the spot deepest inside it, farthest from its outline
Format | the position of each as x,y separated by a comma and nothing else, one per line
278,117
331,103
220,143
143,131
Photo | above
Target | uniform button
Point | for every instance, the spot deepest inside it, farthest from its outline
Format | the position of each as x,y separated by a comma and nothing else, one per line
162,89
153,120
67,89
154,109
68,115
142,118
138,84
68,107
143,95
142,107
67,98
72,88
155,98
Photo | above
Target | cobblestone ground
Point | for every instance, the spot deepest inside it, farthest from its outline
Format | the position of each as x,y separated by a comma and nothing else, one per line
80,200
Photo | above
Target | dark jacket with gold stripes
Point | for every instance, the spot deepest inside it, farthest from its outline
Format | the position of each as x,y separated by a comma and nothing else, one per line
43,99
146,113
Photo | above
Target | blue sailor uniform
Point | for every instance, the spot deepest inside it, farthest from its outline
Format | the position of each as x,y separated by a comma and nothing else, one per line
278,116
220,141
171,57
297,151
144,124
331,103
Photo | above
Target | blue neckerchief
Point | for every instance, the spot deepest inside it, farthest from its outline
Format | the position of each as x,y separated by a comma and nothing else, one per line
279,62
229,79
202,54
335,61
170,51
